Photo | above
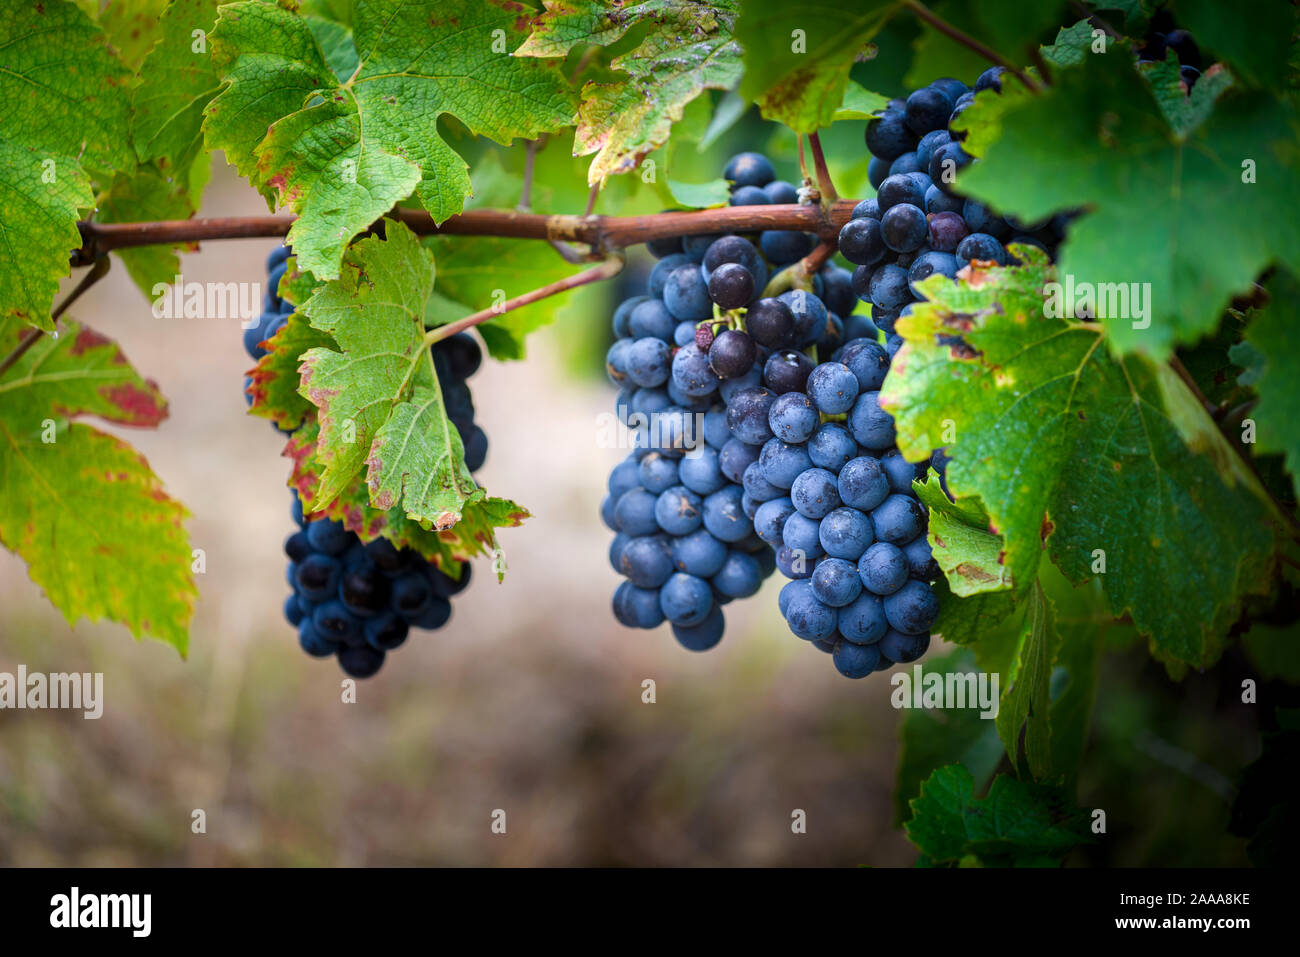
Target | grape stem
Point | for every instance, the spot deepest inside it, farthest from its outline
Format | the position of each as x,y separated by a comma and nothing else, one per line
98,270
947,29
610,266
824,184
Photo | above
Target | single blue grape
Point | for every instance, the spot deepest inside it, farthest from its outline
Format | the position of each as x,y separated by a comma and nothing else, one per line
758,488
814,493
657,472
314,643
677,510
912,608
835,582
871,425
784,246
845,533
686,295
648,361
800,534
809,618
659,276
685,599
635,512
750,196
749,169
698,553
699,470
833,387
684,333
920,560
724,515
385,631
863,621
901,472
898,519
888,288
637,607
903,228
740,575
692,373
793,564
646,561
651,319
883,568
730,388
703,636
900,648
769,520
854,660
928,264
793,417
831,446
868,362
316,577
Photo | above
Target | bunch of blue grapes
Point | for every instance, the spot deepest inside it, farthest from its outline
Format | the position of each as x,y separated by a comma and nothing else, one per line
359,600
918,224
684,525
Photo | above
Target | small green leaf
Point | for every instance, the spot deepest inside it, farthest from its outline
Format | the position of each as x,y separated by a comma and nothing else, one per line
716,192
859,103
1184,111
83,508
1072,45
1016,825
797,58
969,554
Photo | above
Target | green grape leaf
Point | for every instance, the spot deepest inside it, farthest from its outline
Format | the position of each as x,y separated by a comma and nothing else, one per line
1109,464
797,58
82,508
859,103
132,26
716,192
1072,45
40,196
1025,700
684,49
679,58
1184,111
297,133
1255,40
177,81
275,378
1018,824
969,620
969,554
1270,337
446,548
147,193
65,112
378,400
932,737
1149,193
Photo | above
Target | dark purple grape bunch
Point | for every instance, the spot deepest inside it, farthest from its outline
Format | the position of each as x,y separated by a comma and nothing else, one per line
358,601
918,223
354,600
